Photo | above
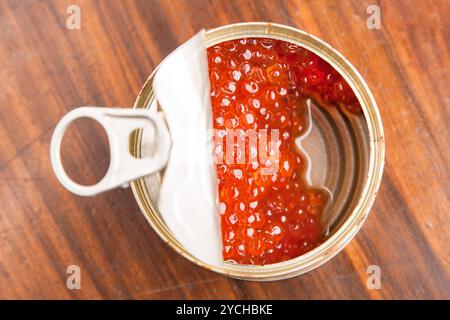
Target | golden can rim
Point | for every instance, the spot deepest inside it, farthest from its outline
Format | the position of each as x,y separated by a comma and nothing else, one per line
350,227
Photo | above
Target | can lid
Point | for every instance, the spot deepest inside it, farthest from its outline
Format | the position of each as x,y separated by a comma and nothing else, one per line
188,197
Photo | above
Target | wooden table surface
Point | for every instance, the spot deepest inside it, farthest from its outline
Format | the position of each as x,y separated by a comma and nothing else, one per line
47,70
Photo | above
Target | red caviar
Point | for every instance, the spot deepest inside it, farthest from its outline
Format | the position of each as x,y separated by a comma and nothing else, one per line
257,84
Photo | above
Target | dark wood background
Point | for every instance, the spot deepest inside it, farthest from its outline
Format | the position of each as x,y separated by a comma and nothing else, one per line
46,70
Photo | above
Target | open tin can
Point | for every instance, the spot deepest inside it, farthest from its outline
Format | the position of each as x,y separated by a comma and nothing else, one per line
349,150
354,158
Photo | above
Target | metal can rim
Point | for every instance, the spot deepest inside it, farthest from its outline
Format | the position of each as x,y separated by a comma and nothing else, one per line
350,227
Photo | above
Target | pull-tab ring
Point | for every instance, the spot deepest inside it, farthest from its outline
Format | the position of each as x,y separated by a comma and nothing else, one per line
118,124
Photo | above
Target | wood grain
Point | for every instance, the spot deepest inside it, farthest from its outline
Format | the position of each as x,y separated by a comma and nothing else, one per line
46,70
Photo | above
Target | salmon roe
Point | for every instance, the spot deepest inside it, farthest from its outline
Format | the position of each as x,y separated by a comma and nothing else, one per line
260,84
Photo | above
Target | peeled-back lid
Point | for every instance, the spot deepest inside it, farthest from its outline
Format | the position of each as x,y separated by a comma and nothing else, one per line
188,197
